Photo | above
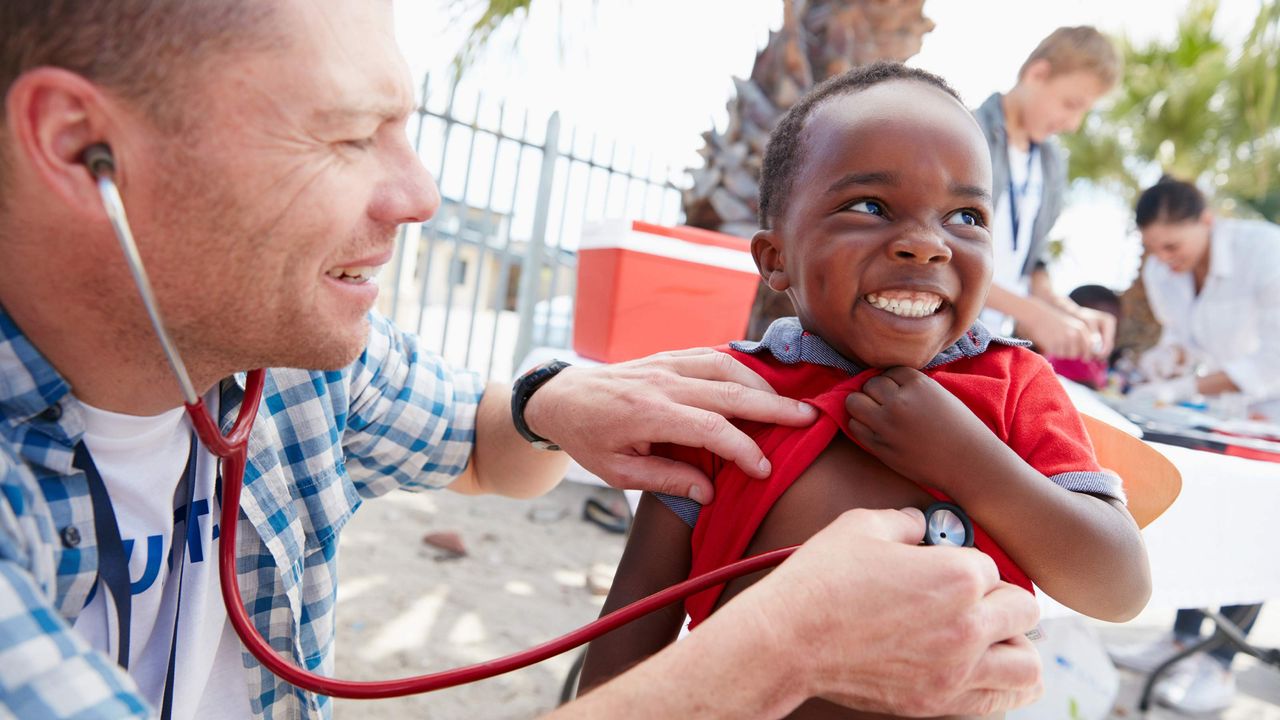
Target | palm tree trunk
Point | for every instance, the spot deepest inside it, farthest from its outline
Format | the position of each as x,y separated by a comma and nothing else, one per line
818,39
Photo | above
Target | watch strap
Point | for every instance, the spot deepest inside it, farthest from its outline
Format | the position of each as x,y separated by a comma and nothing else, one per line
523,389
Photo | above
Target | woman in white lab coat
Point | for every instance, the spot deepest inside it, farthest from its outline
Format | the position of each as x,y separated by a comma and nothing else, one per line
1214,285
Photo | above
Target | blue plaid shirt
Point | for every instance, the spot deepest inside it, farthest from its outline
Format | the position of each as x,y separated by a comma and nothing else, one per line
397,418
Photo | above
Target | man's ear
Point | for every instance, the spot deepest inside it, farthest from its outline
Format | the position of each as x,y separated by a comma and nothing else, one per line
52,115
768,256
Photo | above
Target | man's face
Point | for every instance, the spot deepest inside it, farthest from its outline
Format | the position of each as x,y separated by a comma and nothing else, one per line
265,222
884,244
1180,245
1057,103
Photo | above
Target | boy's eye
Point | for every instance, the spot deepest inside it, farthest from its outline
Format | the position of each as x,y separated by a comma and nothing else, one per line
870,207
964,217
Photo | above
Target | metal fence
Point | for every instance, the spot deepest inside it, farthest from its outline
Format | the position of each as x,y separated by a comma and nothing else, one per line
493,274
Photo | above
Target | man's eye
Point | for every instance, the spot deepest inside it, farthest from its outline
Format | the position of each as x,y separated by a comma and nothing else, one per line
359,143
964,217
870,207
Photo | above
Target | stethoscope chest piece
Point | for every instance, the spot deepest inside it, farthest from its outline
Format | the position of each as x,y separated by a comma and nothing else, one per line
947,524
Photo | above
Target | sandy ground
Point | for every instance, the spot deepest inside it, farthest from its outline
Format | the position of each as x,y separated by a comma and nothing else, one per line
405,608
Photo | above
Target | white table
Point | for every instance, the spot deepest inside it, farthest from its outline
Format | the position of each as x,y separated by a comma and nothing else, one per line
1216,544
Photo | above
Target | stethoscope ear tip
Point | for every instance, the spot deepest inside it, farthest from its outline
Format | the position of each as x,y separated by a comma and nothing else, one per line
99,160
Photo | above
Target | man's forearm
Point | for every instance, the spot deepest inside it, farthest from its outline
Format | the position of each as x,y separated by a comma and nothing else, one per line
503,462
726,669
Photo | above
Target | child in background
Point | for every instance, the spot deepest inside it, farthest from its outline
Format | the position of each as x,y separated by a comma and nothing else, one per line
1057,85
875,199
1090,372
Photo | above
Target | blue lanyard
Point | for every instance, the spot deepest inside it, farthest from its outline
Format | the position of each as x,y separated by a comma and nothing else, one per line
113,563
1017,194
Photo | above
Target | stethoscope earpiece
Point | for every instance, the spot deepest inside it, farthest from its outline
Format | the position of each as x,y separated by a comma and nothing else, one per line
99,160
946,524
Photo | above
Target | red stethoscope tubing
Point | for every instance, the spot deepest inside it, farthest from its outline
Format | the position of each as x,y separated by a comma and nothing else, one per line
233,450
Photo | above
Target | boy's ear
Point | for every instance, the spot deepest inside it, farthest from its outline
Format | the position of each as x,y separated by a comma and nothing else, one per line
768,256
1037,70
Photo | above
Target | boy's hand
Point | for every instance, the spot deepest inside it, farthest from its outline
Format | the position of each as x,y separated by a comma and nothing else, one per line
916,427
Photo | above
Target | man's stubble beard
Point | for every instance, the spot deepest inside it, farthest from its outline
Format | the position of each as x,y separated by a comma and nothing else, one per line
228,315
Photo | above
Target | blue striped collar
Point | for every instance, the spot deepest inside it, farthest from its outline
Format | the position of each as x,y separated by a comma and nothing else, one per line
29,384
790,343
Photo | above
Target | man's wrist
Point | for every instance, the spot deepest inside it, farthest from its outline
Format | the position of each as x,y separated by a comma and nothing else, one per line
527,395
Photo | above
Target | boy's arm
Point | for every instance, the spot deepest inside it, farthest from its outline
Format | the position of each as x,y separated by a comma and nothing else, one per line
657,557
1082,549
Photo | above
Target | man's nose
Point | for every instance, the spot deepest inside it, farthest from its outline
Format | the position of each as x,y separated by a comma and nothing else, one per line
922,245
416,195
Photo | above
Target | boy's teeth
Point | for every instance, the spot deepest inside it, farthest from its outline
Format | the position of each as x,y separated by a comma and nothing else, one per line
353,274
906,304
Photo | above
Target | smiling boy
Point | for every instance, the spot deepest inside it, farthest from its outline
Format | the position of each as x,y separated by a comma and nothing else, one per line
876,204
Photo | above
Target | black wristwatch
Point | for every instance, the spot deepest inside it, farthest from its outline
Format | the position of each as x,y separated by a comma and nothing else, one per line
525,386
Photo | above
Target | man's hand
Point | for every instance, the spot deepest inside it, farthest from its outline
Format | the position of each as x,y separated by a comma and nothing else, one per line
915,426
1059,333
872,621
608,417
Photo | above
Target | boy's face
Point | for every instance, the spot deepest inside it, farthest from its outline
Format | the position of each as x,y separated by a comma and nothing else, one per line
1054,104
883,244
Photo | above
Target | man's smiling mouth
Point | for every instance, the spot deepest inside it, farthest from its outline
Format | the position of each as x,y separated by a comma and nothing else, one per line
905,303
355,275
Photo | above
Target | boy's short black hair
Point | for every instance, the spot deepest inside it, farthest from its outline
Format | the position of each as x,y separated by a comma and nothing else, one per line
1170,200
783,154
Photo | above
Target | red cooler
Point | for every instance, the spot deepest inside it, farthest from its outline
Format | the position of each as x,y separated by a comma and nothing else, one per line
645,288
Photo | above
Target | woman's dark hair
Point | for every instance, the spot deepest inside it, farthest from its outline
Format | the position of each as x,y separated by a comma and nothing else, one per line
1170,200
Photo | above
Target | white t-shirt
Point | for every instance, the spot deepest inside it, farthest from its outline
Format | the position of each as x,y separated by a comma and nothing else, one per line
1026,181
141,461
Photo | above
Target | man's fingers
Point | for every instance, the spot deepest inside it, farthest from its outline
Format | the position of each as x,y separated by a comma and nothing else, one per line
651,473
1009,667
717,382
720,366
904,526
690,351
693,427
1007,612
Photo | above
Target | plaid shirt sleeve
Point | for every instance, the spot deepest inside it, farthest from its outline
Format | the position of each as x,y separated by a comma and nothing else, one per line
412,420
46,669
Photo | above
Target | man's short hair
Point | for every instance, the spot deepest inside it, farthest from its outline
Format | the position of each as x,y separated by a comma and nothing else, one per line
143,50
784,153
1074,49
